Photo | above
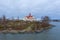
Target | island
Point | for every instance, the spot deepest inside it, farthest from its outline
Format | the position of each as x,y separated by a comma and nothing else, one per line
28,25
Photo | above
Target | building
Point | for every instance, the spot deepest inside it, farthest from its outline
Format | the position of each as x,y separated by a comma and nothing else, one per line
29,18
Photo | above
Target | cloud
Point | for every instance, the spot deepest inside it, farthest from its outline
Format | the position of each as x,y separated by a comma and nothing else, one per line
36,7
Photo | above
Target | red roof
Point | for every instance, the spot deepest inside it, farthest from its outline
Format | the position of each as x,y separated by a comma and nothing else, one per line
29,16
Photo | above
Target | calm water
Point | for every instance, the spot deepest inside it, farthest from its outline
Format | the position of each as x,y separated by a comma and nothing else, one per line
52,34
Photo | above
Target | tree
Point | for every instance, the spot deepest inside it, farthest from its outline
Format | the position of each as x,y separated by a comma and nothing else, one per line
45,19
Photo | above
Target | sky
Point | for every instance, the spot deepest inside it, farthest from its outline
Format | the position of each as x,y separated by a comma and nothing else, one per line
38,8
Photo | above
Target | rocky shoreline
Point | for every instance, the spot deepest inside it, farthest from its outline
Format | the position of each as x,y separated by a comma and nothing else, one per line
24,31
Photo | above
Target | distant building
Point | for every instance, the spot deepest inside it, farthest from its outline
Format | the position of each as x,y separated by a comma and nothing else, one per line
29,18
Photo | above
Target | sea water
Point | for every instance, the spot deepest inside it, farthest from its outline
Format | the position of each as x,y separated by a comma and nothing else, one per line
51,34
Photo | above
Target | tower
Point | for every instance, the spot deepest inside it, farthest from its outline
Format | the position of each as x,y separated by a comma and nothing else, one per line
30,15
29,18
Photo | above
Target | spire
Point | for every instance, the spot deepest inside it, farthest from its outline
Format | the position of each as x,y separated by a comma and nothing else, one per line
30,14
